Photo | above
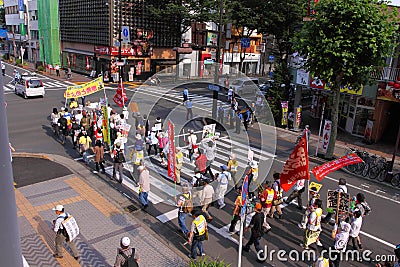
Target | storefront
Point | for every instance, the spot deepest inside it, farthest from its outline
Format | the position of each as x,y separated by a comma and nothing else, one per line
79,61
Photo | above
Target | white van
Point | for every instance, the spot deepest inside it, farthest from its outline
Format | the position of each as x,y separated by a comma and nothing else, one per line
29,86
244,85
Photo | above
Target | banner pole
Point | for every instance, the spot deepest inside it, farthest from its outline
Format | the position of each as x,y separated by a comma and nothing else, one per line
240,242
320,127
308,180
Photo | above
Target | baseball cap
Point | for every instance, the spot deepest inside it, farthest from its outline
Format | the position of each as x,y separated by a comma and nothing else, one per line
59,208
125,241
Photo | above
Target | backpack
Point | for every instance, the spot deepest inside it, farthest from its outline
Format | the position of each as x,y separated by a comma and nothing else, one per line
119,157
367,208
188,205
129,261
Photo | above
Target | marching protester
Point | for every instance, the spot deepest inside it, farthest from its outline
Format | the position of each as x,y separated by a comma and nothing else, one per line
362,205
340,243
137,155
198,233
355,229
179,164
252,174
313,196
162,143
236,212
61,234
99,156
144,186
256,230
84,144
152,142
54,117
206,198
126,254
185,206
278,196
232,168
118,156
296,193
209,146
311,234
192,143
223,179
201,162
266,198
342,188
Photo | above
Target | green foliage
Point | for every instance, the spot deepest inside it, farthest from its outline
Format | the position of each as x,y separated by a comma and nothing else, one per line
347,39
276,94
40,68
209,262
18,61
186,12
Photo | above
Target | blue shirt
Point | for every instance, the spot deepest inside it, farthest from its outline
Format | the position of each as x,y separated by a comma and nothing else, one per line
189,104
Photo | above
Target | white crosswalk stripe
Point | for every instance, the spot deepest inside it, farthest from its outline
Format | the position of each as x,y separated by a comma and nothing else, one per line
9,87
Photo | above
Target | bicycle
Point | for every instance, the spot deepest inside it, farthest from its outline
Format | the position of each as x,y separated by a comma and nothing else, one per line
375,170
395,181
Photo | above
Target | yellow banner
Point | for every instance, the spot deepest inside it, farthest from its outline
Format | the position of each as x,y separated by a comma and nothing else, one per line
105,129
348,89
84,89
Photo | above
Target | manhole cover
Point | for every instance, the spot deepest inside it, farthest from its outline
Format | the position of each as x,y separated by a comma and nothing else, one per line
131,208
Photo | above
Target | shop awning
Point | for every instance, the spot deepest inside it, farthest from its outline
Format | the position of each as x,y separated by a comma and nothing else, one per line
76,51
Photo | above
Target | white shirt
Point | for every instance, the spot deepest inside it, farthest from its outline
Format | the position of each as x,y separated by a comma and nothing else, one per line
192,140
223,178
58,223
230,91
342,188
299,185
78,118
355,227
208,192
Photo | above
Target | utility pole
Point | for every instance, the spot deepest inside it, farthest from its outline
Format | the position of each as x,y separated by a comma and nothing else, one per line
10,248
120,41
217,61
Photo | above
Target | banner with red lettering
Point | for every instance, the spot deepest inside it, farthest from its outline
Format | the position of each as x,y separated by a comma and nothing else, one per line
321,171
120,96
171,152
296,166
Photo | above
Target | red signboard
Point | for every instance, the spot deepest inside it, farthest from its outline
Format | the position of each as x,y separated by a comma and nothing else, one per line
296,166
102,50
321,171
171,152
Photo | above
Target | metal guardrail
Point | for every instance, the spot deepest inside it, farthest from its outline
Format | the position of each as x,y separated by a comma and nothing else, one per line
385,74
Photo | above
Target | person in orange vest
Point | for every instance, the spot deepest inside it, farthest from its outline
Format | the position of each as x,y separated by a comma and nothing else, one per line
266,198
236,212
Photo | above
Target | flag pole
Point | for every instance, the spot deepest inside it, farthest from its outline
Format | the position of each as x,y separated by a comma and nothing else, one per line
308,180
240,242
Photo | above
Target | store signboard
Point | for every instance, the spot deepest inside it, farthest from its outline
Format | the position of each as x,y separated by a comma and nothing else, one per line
316,83
211,38
326,135
302,77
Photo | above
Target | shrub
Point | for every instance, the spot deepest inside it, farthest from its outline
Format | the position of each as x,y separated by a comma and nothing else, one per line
40,68
209,262
18,61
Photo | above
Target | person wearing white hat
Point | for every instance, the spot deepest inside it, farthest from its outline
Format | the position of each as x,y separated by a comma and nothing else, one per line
341,240
61,233
144,185
232,168
126,254
126,113
252,175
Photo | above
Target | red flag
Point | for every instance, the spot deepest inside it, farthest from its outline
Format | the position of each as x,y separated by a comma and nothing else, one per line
321,171
120,96
296,166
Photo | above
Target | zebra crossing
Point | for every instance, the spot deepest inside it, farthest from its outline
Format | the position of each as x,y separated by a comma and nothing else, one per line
198,100
53,84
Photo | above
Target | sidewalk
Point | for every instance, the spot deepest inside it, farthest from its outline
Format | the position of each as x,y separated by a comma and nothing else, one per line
102,221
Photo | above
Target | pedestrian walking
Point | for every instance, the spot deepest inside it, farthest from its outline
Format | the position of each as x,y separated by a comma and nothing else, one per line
210,147
291,120
201,162
223,179
230,95
313,196
198,233
232,168
54,117
298,189
62,124
185,94
256,231
236,212
179,164
144,186
162,143
118,156
355,229
207,198
252,176
69,73
3,68
189,109
61,234
220,113
238,123
185,206
98,150
126,255
57,68
152,142
278,196
311,235
342,188
362,205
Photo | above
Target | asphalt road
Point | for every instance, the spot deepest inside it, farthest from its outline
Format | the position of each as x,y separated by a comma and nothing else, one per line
30,131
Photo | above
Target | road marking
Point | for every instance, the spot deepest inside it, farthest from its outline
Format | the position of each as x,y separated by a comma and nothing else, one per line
170,215
378,239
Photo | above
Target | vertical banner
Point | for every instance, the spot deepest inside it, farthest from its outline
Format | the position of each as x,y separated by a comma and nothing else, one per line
171,152
285,106
245,189
326,135
298,118
105,129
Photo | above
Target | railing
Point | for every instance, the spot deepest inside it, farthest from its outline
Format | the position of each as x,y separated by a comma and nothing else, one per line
385,74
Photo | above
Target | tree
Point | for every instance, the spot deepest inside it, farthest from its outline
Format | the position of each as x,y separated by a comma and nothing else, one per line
345,41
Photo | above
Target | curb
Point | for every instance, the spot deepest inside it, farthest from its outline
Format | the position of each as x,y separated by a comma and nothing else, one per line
30,155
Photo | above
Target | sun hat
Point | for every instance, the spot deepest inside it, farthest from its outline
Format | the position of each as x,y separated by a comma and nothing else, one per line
58,208
125,241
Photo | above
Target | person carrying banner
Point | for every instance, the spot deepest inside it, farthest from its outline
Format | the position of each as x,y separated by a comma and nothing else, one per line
61,234
342,188
298,189
313,230
310,208
253,175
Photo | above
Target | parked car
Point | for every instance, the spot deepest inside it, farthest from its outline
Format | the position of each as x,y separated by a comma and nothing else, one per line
244,85
28,86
